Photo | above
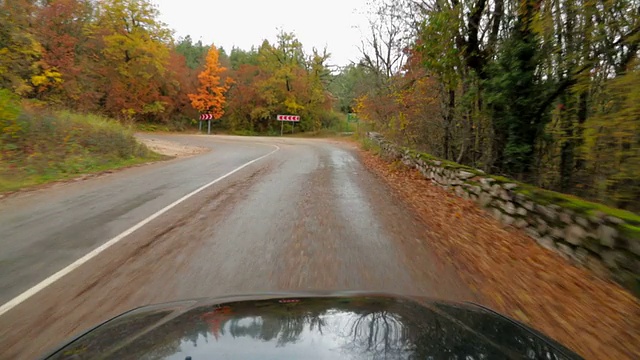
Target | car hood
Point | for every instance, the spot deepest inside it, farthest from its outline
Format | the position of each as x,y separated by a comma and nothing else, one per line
311,326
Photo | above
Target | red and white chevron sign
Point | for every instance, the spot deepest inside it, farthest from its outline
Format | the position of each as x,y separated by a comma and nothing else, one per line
206,117
293,118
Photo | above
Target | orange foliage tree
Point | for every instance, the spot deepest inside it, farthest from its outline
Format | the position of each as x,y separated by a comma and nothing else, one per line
210,97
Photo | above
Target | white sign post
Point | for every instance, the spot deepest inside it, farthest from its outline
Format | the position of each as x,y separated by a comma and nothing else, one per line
291,118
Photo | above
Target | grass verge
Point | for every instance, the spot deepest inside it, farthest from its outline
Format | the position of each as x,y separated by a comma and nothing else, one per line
39,146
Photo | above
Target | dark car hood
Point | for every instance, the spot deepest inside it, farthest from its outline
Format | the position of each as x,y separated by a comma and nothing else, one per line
303,326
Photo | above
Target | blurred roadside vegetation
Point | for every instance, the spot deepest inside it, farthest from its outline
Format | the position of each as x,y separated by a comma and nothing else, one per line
39,146
545,93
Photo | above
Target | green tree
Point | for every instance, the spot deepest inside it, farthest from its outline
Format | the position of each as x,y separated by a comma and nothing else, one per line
346,86
239,57
513,89
194,53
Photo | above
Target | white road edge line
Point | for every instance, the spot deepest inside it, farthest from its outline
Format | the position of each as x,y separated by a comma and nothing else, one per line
57,276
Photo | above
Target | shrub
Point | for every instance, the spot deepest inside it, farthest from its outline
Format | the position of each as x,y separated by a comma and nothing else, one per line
50,146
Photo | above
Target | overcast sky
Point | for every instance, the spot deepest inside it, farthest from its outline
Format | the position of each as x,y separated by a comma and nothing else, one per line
336,24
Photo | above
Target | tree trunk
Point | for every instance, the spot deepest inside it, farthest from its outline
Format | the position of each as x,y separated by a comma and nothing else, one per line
466,126
566,150
566,118
579,139
448,120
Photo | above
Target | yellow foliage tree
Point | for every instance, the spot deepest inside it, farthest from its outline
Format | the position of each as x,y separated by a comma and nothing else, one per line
210,97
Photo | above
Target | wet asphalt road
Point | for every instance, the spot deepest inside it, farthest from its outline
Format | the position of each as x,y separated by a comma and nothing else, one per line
308,216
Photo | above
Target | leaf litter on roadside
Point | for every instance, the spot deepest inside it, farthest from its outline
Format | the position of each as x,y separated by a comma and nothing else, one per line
513,275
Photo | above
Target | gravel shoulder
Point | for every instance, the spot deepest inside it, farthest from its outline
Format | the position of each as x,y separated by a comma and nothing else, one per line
513,275
171,148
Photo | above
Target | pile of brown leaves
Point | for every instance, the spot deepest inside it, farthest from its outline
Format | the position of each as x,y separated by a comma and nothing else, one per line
515,276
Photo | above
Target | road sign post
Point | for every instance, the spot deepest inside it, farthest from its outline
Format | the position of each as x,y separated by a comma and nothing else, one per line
207,118
291,118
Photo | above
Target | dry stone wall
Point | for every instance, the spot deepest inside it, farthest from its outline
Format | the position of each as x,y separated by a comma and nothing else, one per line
607,244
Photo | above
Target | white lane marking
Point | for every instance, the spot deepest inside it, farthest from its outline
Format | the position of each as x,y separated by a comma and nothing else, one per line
57,276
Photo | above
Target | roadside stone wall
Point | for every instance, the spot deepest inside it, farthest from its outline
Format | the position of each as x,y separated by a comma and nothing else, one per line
608,245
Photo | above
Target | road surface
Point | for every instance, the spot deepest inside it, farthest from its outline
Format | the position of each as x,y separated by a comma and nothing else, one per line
293,215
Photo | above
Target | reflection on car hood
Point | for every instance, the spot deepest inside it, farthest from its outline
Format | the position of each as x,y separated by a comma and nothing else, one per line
304,326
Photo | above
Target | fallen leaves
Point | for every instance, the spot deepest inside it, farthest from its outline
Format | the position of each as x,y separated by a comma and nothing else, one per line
515,276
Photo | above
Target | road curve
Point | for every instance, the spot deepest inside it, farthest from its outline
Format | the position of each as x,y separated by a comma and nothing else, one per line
306,217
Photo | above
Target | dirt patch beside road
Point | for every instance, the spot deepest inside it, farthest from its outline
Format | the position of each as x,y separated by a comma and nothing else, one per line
170,148
512,274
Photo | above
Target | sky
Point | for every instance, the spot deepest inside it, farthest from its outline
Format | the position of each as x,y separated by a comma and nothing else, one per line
336,24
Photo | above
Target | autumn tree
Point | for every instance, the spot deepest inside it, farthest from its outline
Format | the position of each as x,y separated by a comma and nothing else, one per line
22,66
296,82
133,58
179,81
61,28
210,97
279,77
